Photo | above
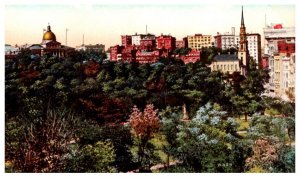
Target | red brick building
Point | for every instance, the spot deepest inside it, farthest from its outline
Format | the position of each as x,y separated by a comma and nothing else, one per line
147,44
128,53
115,52
126,40
285,47
166,42
265,62
191,57
147,57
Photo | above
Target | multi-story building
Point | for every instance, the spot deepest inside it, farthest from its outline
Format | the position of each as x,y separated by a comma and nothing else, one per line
166,42
226,40
136,39
198,41
126,40
115,53
147,57
182,43
279,45
254,46
284,70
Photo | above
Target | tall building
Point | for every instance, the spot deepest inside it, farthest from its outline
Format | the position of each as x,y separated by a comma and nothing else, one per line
225,41
279,52
198,41
126,40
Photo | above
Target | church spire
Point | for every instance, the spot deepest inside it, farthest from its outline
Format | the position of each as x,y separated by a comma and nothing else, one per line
242,21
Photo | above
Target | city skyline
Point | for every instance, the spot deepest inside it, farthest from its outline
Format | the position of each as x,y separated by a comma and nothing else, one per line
105,24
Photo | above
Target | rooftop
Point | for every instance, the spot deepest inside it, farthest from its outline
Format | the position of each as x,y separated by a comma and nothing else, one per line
226,57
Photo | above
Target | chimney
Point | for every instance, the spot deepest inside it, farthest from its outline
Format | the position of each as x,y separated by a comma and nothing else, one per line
232,30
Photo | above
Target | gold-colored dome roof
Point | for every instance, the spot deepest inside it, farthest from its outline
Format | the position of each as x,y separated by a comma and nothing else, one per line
49,35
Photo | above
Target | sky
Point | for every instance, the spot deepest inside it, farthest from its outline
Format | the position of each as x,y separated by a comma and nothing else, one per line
105,23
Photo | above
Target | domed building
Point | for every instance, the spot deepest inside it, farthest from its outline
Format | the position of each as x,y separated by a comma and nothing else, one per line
50,46
48,35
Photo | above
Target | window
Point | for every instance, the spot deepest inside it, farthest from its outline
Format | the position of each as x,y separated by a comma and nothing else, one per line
235,67
217,66
231,67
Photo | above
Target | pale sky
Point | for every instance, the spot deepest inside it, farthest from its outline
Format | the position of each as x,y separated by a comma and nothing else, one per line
106,23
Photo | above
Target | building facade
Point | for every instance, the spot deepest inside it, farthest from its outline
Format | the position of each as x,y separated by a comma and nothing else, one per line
280,51
182,43
166,42
198,41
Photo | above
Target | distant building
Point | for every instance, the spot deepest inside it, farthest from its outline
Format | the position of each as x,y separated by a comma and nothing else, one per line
198,41
284,70
136,39
115,53
126,40
166,42
53,47
229,63
147,57
191,57
9,49
182,43
225,41
254,46
279,47
90,48
226,63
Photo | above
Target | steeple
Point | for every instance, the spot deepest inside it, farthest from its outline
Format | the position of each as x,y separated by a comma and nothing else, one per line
242,21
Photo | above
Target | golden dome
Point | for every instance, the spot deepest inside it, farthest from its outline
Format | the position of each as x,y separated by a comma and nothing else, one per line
48,35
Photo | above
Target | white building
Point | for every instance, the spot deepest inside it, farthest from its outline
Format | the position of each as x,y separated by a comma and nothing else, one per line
281,65
9,49
136,39
254,46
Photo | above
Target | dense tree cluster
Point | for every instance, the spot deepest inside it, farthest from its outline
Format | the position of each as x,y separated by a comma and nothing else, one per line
82,114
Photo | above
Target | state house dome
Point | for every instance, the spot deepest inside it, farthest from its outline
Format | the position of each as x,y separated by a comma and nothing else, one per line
49,35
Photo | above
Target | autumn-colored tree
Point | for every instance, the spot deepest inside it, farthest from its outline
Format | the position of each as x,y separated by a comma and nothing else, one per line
265,154
145,125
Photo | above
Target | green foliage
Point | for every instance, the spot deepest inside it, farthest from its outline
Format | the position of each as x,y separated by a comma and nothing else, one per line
91,158
209,142
280,131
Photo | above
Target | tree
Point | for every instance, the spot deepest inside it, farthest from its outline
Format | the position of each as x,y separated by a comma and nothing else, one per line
91,158
145,125
170,120
275,132
209,142
41,143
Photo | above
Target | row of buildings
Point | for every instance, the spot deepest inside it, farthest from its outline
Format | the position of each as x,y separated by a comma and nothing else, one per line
279,57
148,48
278,54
